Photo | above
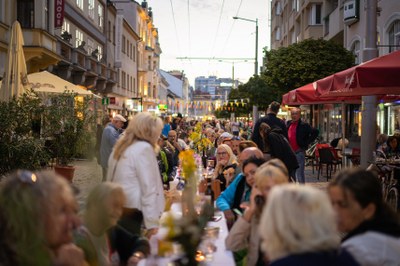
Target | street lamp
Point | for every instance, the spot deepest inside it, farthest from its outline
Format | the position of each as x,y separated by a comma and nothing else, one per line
256,56
255,110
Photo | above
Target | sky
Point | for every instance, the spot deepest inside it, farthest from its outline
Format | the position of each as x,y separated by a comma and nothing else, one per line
206,29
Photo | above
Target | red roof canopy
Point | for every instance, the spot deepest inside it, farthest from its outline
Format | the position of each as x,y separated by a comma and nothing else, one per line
379,76
306,95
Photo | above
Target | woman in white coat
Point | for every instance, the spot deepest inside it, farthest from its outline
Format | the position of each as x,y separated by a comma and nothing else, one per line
133,165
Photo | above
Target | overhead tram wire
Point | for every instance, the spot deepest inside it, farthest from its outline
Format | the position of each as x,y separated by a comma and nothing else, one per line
176,31
218,26
188,11
231,28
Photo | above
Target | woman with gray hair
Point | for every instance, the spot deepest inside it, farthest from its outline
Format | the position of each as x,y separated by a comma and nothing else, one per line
298,228
133,165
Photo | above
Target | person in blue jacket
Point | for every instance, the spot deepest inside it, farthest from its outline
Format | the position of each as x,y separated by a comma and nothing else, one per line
239,190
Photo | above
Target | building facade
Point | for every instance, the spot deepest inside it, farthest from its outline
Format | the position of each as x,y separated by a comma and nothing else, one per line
343,21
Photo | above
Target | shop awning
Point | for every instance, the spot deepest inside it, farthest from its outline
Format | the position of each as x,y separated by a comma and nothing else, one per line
379,76
49,83
306,95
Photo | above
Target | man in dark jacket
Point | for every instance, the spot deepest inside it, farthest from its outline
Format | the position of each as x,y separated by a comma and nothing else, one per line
270,119
301,135
278,147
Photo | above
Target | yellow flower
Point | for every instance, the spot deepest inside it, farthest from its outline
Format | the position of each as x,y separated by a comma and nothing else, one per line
188,164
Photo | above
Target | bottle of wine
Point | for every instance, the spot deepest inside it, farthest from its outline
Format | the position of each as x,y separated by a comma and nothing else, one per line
209,192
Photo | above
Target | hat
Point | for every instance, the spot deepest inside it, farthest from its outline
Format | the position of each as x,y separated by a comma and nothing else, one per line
119,118
179,115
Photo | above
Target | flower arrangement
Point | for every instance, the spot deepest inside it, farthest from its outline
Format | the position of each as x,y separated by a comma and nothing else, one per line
188,230
200,140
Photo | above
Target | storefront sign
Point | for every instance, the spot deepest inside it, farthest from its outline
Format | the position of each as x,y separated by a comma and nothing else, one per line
162,107
58,13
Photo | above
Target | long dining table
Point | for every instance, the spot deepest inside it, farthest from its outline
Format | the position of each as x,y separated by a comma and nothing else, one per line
221,256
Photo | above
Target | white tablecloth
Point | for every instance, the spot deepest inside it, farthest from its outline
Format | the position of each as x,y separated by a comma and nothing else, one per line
221,256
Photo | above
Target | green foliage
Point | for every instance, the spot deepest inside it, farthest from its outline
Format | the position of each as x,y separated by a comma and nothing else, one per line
20,144
69,127
256,91
288,68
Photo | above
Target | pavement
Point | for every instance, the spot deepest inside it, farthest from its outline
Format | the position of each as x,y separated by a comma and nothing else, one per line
88,174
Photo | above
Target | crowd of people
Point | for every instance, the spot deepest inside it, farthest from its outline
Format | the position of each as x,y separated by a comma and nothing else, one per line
258,178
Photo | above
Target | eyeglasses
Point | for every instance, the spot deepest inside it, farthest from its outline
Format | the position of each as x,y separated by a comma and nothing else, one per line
26,177
222,153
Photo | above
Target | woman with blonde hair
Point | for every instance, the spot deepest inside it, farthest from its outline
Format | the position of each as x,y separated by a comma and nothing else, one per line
38,214
226,162
133,165
298,228
245,232
102,211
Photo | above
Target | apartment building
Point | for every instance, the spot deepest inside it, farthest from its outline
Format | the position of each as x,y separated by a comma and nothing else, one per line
295,20
140,17
37,22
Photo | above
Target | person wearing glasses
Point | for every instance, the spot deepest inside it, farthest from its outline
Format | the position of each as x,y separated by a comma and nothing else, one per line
38,213
226,161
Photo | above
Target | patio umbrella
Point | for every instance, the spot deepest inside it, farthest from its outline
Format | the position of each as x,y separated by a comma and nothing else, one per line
46,82
307,95
15,80
379,76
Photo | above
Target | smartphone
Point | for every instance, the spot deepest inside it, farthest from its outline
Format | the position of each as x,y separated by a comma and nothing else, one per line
216,218
237,212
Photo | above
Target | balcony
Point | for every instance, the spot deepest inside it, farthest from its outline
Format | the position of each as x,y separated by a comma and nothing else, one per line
334,24
40,49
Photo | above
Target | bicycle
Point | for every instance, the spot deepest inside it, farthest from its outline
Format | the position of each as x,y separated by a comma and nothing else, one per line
390,186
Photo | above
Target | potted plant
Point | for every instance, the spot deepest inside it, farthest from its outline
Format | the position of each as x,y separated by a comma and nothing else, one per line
20,144
67,120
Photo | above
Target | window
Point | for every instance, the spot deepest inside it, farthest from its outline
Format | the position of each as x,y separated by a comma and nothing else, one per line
394,36
113,33
100,13
134,85
134,53
90,46
295,5
91,9
109,31
79,3
355,49
148,89
293,37
123,83
26,13
100,55
149,62
2,8
128,50
316,14
123,44
46,15
278,9
278,34
78,38
65,27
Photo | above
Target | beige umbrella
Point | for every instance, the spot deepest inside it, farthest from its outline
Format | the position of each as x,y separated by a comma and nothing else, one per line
46,82
15,80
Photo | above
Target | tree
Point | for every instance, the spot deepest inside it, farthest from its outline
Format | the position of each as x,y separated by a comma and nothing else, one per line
256,91
301,63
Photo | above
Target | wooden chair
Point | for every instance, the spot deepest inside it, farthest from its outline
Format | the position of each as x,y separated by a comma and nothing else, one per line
355,156
326,157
